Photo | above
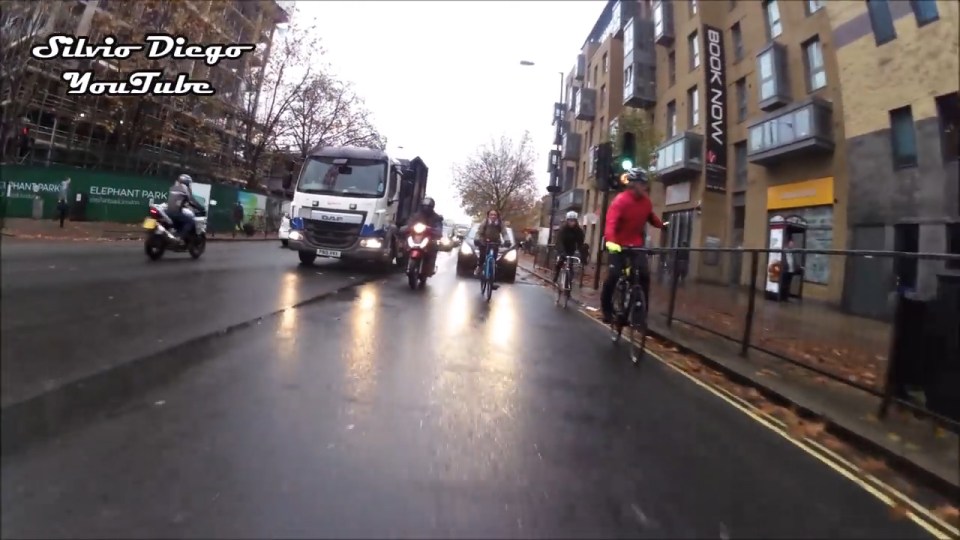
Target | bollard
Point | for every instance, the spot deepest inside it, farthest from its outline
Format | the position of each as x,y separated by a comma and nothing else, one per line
674,280
751,303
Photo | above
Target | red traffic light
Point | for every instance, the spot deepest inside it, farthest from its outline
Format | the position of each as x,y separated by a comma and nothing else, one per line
25,131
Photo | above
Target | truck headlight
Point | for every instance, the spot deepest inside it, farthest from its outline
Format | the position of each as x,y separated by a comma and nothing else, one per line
372,243
294,235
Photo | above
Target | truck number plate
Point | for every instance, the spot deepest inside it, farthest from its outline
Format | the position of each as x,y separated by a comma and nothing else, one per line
328,253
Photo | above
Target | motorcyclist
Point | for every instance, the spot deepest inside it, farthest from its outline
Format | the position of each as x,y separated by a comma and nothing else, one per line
569,241
429,217
627,217
182,195
491,230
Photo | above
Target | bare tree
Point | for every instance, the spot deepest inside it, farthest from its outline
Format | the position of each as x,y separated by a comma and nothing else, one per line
499,176
328,113
22,24
647,139
284,77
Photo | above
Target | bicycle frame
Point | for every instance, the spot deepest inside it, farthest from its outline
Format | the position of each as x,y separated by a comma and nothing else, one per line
568,266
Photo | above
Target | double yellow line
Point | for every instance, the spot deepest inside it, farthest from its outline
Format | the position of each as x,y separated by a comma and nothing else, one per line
886,493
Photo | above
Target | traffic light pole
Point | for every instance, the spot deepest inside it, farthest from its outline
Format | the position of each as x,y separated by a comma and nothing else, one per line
603,223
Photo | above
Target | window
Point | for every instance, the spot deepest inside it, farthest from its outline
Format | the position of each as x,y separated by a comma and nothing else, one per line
657,22
903,138
740,164
603,95
595,78
694,44
741,100
693,7
672,68
814,6
816,72
881,21
767,76
789,128
693,98
771,12
925,11
671,119
737,36
948,109
628,79
606,63
906,238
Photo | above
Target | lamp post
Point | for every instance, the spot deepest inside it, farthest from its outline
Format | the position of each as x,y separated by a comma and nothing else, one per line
552,189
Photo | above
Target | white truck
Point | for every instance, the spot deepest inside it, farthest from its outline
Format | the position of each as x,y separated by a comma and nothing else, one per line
350,202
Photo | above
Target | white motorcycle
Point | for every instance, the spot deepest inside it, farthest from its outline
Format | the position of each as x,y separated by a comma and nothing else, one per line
160,232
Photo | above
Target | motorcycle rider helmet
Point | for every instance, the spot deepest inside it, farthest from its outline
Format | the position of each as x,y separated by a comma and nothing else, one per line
184,179
428,204
571,215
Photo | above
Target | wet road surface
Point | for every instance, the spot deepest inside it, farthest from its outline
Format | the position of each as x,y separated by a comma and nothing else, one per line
381,412
71,309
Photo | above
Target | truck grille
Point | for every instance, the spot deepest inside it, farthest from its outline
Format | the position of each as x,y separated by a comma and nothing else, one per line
331,235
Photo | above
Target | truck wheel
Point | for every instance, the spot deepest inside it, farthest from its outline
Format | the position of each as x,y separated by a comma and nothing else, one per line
307,257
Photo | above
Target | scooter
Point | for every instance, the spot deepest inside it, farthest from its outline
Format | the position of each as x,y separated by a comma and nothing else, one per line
419,241
160,235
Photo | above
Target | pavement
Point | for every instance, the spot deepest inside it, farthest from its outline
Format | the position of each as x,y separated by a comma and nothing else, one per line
378,411
915,443
50,230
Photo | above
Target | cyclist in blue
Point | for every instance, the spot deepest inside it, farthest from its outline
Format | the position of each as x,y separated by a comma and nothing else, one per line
569,241
491,230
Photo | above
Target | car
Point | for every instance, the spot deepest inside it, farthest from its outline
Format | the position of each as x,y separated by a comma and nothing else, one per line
284,232
506,262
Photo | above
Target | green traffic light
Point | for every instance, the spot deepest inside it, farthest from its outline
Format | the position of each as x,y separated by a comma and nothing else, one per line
627,164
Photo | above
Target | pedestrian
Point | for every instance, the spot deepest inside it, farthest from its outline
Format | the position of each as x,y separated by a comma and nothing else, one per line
63,199
237,218
791,267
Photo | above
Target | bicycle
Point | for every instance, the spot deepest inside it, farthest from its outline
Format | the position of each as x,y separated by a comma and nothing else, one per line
565,279
489,274
630,306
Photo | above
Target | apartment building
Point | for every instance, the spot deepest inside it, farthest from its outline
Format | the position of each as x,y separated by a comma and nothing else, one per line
614,70
898,73
87,131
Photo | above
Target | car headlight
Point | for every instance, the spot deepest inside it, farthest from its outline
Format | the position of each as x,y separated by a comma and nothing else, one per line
466,249
510,256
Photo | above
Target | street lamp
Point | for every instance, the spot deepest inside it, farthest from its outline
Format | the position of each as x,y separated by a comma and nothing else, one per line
552,189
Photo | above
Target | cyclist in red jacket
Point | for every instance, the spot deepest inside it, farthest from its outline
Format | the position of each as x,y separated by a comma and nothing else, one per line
627,217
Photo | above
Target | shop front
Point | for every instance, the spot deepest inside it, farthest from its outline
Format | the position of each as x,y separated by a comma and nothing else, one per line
799,216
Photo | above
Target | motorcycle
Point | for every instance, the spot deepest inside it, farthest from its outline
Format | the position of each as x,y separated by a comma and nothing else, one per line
419,240
160,235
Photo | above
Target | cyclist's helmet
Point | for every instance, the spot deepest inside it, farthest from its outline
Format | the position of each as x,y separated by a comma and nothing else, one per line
184,179
428,204
571,215
634,175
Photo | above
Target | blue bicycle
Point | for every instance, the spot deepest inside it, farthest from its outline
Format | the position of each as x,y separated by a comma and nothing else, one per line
489,274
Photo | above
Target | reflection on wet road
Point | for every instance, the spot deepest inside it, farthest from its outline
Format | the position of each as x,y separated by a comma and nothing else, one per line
384,412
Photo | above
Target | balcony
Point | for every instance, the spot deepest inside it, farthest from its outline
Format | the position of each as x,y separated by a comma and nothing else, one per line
586,107
773,83
581,70
557,113
639,85
553,161
663,23
802,130
680,158
571,146
570,200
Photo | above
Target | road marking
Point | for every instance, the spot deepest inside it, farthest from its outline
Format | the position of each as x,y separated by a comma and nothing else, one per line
876,487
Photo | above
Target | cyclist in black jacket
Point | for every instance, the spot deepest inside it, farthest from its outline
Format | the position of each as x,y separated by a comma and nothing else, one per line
569,241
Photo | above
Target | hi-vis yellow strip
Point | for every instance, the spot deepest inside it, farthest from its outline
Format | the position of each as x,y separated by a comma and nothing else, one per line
872,485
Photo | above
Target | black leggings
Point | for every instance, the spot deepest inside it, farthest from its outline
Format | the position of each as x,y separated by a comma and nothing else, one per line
615,263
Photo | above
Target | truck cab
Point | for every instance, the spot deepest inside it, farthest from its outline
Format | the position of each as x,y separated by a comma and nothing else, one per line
349,203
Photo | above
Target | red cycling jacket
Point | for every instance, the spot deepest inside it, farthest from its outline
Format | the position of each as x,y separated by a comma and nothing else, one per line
627,215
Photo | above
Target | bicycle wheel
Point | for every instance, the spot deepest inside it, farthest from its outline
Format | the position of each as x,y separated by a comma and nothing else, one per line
619,301
638,325
491,278
560,285
567,286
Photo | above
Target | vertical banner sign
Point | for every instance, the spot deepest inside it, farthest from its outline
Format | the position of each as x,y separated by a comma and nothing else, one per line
716,156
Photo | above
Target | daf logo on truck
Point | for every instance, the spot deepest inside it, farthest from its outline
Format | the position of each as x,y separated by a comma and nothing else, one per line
383,190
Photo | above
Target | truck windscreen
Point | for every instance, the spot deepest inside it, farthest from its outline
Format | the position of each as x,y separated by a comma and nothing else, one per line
347,177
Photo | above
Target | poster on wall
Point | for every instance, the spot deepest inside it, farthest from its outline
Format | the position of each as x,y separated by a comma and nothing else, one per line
253,205
774,256
716,128
201,192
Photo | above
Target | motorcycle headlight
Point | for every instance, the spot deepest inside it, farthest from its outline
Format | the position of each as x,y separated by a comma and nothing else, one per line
419,228
510,256
465,249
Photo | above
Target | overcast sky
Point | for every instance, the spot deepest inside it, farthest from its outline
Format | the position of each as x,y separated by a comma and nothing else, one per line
443,77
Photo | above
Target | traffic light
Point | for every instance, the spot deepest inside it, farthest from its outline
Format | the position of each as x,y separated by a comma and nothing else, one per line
628,153
603,165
